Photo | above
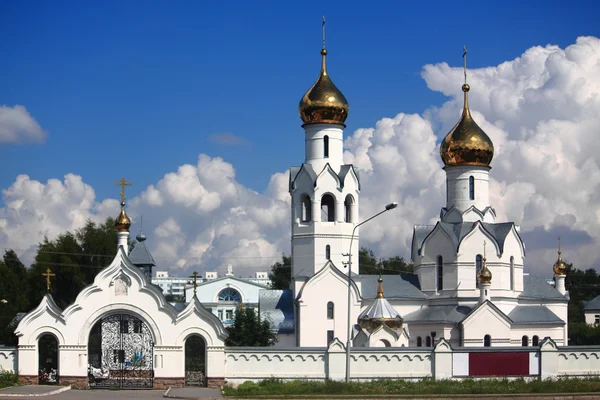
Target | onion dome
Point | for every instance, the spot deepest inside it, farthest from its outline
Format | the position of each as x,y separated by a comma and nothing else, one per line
484,275
323,103
379,312
140,237
560,268
122,223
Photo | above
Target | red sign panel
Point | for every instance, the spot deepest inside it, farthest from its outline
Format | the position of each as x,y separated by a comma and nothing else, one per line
499,364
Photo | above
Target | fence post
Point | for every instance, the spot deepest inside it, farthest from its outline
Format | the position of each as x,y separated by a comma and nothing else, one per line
442,360
335,368
548,359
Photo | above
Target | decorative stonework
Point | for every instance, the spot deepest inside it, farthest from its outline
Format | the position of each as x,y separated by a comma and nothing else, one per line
164,383
28,379
76,382
215,383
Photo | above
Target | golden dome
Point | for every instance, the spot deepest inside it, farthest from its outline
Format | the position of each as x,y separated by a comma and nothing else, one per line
323,103
484,275
467,143
560,268
122,223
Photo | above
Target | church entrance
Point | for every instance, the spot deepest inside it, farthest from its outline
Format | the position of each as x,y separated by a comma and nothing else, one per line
195,361
48,360
120,353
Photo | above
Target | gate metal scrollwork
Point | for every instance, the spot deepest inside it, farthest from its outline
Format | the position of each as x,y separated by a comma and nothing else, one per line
121,353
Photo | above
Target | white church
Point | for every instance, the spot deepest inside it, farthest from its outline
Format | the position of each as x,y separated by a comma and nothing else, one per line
469,288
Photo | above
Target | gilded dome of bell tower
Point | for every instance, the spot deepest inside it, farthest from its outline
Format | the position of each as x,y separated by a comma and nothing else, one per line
323,103
467,143
559,267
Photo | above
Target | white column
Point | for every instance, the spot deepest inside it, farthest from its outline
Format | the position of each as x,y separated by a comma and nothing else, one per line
339,211
560,284
123,241
484,292
316,210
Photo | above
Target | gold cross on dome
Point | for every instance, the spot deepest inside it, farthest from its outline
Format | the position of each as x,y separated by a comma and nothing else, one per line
194,276
123,183
465,62
48,275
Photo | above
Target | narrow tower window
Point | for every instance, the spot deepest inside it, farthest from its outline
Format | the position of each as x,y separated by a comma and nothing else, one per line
471,188
428,341
348,206
306,209
535,341
512,273
328,252
326,146
419,342
327,208
330,310
487,341
478,265
440,273
524,341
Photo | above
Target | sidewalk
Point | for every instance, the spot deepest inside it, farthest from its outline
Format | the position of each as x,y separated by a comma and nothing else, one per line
32,390
193,393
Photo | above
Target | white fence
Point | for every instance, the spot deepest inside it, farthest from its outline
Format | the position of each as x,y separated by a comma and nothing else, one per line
8,358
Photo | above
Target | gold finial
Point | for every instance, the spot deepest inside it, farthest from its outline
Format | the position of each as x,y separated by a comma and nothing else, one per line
465,62
48,275
484,258
123,183
484,275
560,268
323,31
194,276
380,287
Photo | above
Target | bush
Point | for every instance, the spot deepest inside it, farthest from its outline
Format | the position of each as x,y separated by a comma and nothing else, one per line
8,378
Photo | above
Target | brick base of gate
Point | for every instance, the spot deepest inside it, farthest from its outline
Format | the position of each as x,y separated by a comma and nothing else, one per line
164,383
215,383
76,382
28,379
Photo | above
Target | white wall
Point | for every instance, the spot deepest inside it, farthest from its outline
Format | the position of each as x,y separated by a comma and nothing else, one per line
590,316
8,359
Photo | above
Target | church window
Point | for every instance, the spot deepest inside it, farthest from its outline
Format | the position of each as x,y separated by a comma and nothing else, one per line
440,273
229,294
535,341
428,341
525,341
512,273
228,315
328,252
326,146
419,341
330,337
348,208
478,266
330,310
327,208
220,312
487,341
596,319
306,209
471,188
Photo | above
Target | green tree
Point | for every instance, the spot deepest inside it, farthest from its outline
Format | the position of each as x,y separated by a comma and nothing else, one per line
583,285
368,264
14,291
281,273
248,330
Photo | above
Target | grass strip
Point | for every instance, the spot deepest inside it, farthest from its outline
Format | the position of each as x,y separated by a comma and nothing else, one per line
390,387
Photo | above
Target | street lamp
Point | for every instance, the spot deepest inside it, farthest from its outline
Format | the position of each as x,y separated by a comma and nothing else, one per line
389,207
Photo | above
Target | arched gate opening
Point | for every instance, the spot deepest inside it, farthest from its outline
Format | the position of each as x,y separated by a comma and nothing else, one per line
48,360
195,361
120,353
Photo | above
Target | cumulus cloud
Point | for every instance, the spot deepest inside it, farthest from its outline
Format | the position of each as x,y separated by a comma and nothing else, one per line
227,139
18,126
542,110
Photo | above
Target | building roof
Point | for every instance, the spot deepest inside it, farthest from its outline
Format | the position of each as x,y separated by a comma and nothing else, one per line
439,314
534,315
593,304
277,306
140,255
402,286
535,287
222,278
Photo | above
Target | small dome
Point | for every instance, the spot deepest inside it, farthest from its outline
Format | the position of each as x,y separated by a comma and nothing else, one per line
122,223
140,237
380,312
560,268
323,103
484,275
467,143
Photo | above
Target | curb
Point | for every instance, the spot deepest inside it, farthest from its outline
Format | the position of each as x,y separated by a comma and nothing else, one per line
168,396
51,393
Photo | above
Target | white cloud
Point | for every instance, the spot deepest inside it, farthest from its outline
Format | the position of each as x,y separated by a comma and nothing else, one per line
542,111
18,126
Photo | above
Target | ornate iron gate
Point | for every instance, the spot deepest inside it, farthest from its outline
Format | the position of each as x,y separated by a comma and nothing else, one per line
195,361
125,354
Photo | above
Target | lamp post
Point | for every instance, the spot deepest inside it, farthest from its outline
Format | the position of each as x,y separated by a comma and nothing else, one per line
389,207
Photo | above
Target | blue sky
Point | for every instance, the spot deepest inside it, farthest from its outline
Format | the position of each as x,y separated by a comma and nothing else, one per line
136,88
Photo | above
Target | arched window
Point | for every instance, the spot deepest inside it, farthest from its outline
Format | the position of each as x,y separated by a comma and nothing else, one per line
525,341
328,252
440,273
325,146
327,208
487,341
428,341
512,273
471,188
229,294
306,209
348,206
330,310
535,341
419,342
478,266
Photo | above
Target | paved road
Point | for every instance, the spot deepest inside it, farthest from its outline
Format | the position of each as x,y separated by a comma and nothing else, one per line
204,394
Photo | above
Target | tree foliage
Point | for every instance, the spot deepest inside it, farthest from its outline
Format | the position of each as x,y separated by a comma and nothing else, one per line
281,273
583,285
368,264
248,330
